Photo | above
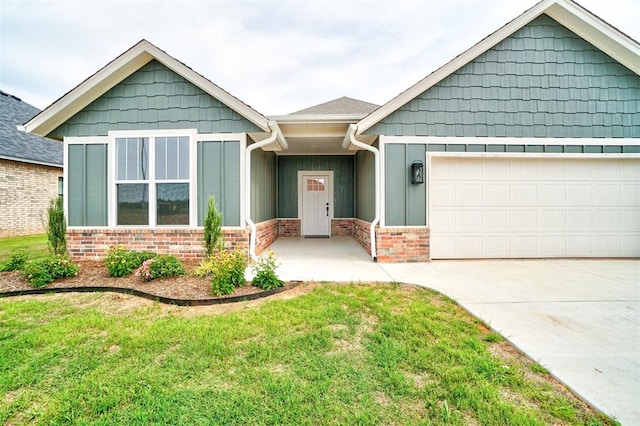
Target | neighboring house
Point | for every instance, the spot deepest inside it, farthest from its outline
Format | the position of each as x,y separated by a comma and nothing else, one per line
30,171
526,145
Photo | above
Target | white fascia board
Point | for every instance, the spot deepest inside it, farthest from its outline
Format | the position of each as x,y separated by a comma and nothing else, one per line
217,92
591,28
509,140
532,155
119,69
567,13
89,90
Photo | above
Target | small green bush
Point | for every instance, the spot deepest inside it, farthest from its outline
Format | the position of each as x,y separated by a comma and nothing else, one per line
160,266
121,262
265,273
56,227
213,239
43,271
226,269
16,261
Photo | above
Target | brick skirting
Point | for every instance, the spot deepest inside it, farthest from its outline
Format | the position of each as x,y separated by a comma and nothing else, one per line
289,227
361,233
186,244
402,244
267,234
342,227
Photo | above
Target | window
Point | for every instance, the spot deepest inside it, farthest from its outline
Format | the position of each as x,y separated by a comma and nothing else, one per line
152,180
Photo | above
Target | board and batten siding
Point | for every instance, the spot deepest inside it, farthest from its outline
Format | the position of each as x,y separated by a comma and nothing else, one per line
542,81
343,182
152,98
365,186
405,203
263,185
87,185
219,175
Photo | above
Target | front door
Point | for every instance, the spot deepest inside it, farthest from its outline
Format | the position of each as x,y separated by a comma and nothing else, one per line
316,211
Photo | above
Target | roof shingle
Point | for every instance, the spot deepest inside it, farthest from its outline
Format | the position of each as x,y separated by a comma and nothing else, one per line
21,146
343,105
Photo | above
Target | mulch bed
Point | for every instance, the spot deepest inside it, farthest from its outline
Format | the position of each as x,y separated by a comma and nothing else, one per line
93,276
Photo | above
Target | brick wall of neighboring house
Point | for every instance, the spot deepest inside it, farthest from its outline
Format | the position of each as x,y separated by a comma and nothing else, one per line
289,227
25,192
186,244
402,244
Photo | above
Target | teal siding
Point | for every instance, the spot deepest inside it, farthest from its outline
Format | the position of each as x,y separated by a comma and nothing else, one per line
542,81
343,182
87,183
219,175
154,97
405,203
365,186
263,185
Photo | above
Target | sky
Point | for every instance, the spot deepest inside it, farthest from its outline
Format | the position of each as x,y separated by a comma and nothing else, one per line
277,56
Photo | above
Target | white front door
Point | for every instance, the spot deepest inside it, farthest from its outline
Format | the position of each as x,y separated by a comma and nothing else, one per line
316,210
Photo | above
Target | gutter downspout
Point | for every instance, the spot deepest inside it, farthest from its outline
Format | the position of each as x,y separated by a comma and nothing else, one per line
376,154
247,191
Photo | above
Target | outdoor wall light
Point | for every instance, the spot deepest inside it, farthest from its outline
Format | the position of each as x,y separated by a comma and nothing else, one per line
417,172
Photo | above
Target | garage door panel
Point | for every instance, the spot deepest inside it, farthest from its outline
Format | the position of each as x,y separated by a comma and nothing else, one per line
551,194
534,207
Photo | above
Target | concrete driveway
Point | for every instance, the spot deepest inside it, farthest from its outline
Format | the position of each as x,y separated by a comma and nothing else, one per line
578,318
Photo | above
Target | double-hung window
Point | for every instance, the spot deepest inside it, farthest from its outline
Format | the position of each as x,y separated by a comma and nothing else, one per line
152,180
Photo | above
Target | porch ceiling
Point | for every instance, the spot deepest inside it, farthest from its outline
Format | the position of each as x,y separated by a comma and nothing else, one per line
320,134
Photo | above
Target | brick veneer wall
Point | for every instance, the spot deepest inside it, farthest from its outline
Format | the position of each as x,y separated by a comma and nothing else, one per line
267,234
289,227
342,227
361,232
186,244
25,192
403,244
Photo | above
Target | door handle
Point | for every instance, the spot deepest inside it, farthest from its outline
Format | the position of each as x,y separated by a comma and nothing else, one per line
327,209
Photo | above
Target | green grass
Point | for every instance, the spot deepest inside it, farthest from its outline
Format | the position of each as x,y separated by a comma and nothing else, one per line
35,245
340,354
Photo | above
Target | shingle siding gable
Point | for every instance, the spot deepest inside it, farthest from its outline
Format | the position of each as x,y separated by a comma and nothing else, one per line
154,97
542,81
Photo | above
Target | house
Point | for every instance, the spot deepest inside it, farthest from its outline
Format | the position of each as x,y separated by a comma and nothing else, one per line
30,171
526,145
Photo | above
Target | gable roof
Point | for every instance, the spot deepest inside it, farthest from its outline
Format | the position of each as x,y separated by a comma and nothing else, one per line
119,69
343,105
566,12
20,146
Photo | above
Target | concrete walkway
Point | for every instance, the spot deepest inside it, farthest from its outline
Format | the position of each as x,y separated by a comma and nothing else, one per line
578,318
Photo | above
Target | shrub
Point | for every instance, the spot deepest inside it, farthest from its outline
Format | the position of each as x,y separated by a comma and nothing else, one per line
56,227
265,273
160,266
16,261
226,269
213,239
43,271
121,262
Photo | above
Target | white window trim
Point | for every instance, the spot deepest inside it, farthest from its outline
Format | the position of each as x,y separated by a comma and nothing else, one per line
192,134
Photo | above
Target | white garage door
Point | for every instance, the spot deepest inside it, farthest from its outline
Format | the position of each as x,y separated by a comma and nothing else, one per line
488,207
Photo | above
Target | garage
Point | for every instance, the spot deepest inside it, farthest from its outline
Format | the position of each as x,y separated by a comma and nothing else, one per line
519,206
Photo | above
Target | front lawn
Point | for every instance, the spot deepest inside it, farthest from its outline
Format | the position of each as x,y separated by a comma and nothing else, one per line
338,354
34,245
